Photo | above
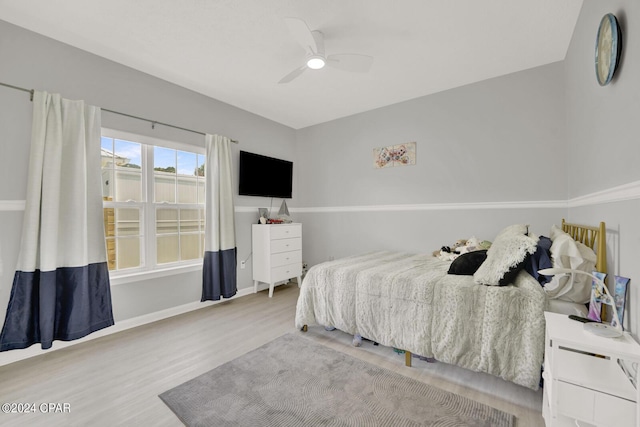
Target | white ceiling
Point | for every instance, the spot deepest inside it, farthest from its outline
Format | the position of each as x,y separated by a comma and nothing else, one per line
236,51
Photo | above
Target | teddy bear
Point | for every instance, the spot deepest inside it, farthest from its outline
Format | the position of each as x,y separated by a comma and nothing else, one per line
461,246
449,253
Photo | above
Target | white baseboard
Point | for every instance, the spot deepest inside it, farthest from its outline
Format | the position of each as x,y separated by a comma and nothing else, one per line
35,350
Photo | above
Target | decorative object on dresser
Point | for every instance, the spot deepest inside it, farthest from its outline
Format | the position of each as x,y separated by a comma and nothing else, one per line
588,378
277,253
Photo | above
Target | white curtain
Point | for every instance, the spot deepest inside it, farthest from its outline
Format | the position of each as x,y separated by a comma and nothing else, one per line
61,284
220,256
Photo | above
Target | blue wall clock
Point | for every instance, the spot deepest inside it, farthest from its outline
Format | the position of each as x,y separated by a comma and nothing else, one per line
608,48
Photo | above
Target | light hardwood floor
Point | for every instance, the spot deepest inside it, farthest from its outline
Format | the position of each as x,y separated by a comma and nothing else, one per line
115,380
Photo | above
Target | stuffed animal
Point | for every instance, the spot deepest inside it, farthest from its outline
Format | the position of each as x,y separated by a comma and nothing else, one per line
449,253
472,244
461,246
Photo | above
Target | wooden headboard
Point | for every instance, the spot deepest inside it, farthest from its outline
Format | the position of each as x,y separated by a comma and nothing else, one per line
594,237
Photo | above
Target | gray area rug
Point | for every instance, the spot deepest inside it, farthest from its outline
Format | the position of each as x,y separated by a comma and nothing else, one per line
293,381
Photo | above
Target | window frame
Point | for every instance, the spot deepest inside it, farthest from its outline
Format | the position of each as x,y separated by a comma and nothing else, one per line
149,267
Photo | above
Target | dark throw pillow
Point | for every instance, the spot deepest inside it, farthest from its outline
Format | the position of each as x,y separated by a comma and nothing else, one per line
467,264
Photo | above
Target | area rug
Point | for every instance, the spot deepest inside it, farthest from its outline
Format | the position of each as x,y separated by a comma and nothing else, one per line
293,381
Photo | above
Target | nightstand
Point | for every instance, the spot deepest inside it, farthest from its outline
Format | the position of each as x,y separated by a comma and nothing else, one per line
588,378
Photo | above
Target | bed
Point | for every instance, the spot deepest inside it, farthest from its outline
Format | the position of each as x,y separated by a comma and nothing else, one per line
491,321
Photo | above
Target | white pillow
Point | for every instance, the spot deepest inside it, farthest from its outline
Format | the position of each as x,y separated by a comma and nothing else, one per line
567,253
508,251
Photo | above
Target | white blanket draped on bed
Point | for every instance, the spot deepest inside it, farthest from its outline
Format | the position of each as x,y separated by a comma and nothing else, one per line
409,302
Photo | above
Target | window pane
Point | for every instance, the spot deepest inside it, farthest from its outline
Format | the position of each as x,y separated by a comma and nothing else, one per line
106,160
187,163
187,189
165,187
201,178
127,154
128,166
107,184
164,167
189,221
190,246
201,159
167,249
128,250
111,253
127,222
128,185
166,221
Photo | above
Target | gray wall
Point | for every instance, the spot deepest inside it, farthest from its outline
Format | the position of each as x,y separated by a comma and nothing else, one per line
32,61
602,136
488,144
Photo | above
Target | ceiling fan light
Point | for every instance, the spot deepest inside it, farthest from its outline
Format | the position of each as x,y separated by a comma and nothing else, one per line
316,62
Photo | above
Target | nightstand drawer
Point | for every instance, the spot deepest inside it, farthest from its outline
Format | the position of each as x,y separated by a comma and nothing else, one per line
613,411
286,232
286,245
594,407
576,402
284,258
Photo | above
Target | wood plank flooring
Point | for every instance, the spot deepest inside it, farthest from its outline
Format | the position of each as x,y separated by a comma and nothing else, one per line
115,380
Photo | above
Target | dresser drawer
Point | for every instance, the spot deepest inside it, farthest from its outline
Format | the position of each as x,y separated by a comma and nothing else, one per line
284,258
286,245
286,232
286,272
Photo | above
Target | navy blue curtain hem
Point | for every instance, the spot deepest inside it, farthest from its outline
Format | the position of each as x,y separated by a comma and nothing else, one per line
48,344
64,304
219,278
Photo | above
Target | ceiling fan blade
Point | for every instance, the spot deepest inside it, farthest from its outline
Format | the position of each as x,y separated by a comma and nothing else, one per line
292,75
350,62
302,34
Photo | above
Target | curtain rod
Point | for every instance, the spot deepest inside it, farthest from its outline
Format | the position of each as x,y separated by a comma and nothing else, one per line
153,122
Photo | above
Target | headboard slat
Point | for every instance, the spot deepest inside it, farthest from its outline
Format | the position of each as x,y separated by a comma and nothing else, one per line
594,237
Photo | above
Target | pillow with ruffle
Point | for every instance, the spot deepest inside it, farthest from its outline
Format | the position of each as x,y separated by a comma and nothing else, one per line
568,253
506,256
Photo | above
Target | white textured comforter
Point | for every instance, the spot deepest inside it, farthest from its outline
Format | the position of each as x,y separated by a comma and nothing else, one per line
409,302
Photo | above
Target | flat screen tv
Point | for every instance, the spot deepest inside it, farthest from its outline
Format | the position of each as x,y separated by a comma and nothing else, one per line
264,176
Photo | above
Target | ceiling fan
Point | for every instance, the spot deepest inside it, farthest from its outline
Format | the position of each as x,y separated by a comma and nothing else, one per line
313,44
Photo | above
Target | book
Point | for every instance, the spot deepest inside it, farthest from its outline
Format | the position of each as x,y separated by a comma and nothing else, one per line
620,296
595,304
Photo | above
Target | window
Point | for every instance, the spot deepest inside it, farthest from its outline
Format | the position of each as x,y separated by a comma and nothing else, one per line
153,194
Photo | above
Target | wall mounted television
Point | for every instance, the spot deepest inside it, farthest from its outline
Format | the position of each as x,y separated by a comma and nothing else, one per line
264,176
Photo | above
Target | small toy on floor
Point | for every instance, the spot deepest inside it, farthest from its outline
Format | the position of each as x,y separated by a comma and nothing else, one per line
426,359
357,340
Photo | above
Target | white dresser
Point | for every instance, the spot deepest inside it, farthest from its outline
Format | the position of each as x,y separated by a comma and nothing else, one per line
277,253
583,377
